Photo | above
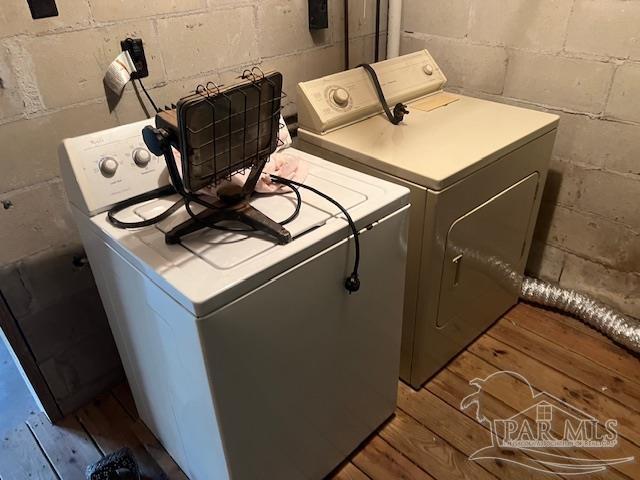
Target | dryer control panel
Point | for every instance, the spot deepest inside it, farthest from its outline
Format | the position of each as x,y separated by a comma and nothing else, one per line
346,97
104,168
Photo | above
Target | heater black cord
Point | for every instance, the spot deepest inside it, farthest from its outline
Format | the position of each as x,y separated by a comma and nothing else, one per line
399,111
155,107
170,190
352,283
145,197
206,204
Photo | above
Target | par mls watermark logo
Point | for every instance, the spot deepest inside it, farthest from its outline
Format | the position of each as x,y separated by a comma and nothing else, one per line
547,434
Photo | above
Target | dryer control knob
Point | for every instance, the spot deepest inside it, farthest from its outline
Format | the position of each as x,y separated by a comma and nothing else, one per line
341,97
108,166
427,69
141,156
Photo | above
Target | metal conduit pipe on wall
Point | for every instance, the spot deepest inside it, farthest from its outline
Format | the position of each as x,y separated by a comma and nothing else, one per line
620,328
394,28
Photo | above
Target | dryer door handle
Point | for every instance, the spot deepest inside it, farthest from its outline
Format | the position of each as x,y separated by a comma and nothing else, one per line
456,274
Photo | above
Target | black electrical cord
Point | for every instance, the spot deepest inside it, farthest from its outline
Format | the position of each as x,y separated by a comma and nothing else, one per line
377,37
346,34
145,197
206,204
352,283
153,104
169,190
399,111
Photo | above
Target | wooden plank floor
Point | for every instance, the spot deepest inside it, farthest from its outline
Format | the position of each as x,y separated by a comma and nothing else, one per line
429,438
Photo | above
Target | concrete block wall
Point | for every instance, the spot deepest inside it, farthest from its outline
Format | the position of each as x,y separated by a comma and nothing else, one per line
581,60
51,88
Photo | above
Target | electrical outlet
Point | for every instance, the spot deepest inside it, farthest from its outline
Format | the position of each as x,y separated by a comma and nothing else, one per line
136,49
318,14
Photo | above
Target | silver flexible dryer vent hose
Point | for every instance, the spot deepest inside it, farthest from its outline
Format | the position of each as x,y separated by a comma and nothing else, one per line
619,328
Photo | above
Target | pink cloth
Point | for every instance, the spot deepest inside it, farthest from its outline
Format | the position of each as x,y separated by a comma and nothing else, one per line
283,162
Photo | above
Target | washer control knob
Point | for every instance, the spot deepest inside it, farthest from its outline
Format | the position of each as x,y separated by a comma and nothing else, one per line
428,69
108,166
341,97
141,157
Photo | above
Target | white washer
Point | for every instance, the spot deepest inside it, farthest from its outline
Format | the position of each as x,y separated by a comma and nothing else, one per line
247,359
476,170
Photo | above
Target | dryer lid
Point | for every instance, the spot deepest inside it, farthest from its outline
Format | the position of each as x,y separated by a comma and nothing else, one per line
437,147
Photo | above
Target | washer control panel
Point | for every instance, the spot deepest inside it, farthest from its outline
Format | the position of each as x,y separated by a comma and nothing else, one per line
343,98
104,168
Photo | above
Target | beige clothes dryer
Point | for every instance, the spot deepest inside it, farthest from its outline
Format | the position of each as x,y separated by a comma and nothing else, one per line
476,170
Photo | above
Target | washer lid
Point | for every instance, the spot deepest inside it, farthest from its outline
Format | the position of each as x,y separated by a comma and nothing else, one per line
211,268
438,147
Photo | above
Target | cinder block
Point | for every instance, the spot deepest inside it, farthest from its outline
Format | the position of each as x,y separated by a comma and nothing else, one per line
196,44
545,262
601,143
85,369
362,18
71,318
304,66
618,289
113,10
293,72
323,61
361,50
579,140
39,219
11,104
70,66
14,290
283,27
51,275
576,84
30,147
611,195
39,281
466,66
596,238
624,100
22,78
15,17
564,183
520,23
66,67
434,17
604,27
130,109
